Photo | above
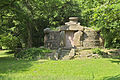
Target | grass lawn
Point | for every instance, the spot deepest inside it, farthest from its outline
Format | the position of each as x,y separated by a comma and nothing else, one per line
85,69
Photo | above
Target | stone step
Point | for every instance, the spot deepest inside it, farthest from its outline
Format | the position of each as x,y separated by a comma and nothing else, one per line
66,54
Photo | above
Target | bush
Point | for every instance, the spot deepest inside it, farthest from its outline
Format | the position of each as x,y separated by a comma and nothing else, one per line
32,54
9,42
97,51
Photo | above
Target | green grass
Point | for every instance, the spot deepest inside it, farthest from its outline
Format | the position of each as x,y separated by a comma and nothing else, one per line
84,69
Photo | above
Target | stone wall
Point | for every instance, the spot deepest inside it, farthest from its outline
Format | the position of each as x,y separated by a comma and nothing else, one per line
91,38
72,35
70,38
52,39
85,39
88,38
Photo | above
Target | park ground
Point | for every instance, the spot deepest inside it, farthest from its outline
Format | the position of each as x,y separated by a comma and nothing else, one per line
84,69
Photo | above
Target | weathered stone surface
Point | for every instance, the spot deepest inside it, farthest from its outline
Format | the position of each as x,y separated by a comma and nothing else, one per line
76,27
82,54
72,20
72,35
101,41
64,27
72,52
66,54
69,39
91,44
52,40
78,39
63,54
91,35
62,38
93,56
47,30
72,27
52,56
91,38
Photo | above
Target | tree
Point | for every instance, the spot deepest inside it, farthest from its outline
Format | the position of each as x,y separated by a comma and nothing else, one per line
22,21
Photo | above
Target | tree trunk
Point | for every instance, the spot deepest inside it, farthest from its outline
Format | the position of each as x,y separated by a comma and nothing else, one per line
29,32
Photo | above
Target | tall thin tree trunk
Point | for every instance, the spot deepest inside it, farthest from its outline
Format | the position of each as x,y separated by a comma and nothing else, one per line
29,31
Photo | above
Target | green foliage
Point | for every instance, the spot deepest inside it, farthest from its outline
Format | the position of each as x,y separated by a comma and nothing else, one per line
32,53
30,17
106,18
97,51
10,42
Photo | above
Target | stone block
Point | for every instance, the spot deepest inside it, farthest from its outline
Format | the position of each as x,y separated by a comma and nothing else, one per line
52,56
72,52
66,54
47,30
72,27
78,38
52,40
76,27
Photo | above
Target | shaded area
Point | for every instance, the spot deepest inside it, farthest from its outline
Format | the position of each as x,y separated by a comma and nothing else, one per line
115,54
117,77
115,61
8,64
112,53
9,52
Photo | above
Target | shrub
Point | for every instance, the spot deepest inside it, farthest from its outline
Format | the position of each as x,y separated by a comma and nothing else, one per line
9,42
33,53
97,51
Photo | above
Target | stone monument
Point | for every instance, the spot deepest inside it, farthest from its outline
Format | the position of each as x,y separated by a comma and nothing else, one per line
70,37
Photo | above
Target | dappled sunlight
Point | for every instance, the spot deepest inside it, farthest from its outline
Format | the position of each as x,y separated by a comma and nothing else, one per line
103,68
8,64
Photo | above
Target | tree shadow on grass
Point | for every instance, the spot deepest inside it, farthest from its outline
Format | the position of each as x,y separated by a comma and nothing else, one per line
117,77
115,61
10,65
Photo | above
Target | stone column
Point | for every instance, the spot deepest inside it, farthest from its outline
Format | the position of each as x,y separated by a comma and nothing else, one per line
72,20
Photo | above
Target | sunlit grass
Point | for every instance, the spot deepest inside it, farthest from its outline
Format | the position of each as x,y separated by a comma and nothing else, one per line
84,69
4,54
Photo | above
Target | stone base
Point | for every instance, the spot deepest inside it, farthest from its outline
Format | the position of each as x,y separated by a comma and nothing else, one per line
81,53
87,54
67,54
